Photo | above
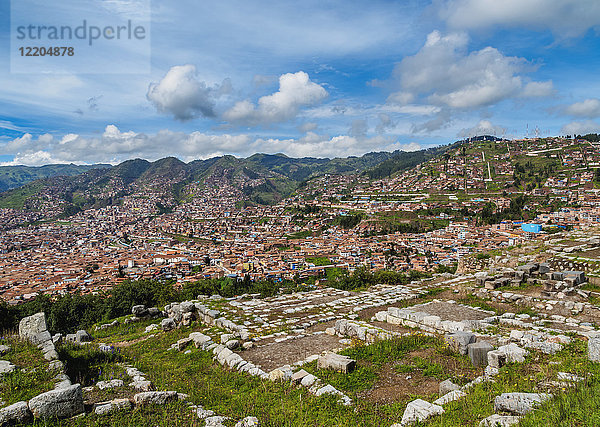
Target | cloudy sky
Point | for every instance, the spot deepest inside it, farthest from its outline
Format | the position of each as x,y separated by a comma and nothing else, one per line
311,78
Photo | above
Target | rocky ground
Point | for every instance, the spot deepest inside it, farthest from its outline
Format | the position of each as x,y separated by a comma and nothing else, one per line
508,334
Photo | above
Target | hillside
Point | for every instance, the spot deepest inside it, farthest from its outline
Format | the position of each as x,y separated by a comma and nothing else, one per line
17,176
261,179
493,346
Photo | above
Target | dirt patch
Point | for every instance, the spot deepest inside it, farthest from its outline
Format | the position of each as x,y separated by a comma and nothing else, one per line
272,356
454,312
368,313
98,395
391,327
393,386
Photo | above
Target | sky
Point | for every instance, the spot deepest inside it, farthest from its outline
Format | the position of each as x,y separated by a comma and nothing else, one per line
311,78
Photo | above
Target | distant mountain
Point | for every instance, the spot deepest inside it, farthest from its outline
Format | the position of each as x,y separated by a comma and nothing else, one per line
17,176
261,179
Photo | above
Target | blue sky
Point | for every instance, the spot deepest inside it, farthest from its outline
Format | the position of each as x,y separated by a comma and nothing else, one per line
312,78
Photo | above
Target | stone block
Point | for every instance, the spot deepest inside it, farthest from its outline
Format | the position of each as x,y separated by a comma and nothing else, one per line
418,411
60,403
519,403
594,349
336,362
478,353
447,386
499,421
155,397
17,413
458,341
168,324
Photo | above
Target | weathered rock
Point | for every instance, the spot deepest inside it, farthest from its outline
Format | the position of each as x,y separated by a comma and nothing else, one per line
594,349
168,324
496,359
199,339
215,421
298,376
248,422
109,384
183,343
478,353
232,344
308,380
336,362
519,403
419,410
450,397
499,421
187,307
139,310
105,408
17,413
142,385
4,349
459,341
6,367
154,397
447,386
82,336
61,403
33,328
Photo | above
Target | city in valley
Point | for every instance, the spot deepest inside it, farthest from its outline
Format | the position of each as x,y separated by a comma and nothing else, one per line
300,214
425,218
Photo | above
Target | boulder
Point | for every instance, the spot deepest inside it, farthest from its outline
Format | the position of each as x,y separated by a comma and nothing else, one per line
418,411
82,336
139,311
499,421
187,307
6,367
248,422
447,386
60,403
168,324
519,403
336,362
154,397
4,349
594,349
105,408
199,339
478,353
17,413
154,312
33,328
450,397
458,341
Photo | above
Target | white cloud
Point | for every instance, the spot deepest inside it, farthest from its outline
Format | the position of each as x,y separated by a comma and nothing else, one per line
447,74
538,89
565,18
307,127
385,123
295,91
580,128
401,98
181,94
114,146
484,127
588,108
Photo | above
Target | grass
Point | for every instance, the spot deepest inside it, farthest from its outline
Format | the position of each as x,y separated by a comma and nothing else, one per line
124,332
86,365
32,376
474,301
